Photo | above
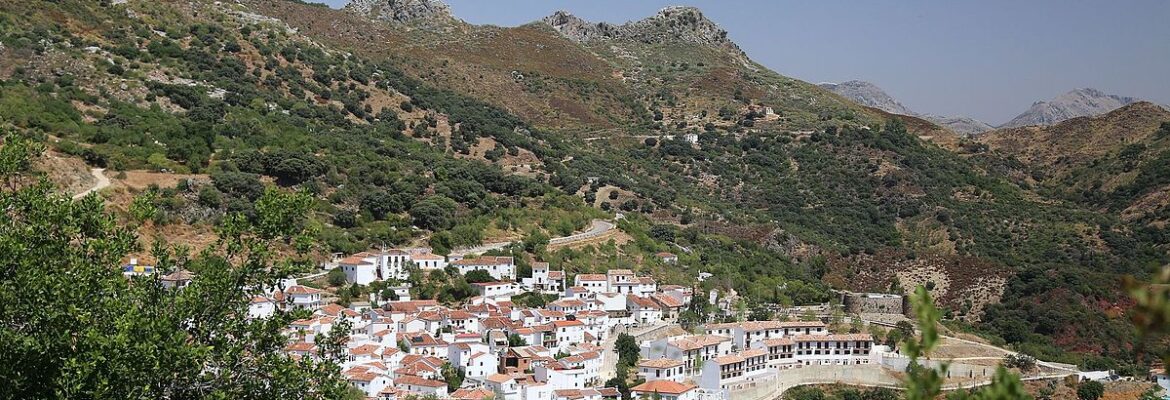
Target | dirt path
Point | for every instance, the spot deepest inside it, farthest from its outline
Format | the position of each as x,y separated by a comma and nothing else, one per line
102,183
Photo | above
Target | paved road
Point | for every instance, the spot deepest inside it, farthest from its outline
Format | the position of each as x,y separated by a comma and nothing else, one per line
102,183
597,228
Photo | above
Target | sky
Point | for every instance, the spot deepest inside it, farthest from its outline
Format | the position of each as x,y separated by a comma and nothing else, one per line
987,59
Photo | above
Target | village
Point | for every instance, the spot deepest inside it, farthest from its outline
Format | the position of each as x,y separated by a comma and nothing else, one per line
603,336
569,348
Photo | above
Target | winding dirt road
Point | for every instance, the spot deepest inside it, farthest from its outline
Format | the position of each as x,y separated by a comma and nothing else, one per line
102,183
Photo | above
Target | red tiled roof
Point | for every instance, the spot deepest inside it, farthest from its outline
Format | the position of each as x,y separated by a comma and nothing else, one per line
663,386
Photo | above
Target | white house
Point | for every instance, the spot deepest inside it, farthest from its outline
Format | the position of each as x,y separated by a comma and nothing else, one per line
502,268
360,268
303,297
643,310
568,333
735,372
746,334
504,386
545,281
178,279
498,291
594,283
661,369
421,386
368,382
693,350
261,307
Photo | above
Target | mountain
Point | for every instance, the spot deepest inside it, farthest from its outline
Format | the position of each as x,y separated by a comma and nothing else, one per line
868,94
965,126
871,95
1075,103
401,125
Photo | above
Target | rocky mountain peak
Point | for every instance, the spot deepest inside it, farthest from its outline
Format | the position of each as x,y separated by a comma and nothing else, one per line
868,94
1076,103
424,13
670,25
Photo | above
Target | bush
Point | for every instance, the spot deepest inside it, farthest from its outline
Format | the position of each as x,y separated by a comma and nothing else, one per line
336,277
1090,390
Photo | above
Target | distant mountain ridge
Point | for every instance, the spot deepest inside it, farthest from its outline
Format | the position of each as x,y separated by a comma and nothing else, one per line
1084,102
871,95
868,94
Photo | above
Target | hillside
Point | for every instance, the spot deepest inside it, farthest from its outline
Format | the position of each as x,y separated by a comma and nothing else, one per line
1115,161
404,125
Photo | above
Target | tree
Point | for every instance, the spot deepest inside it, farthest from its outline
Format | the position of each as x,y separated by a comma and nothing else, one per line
1020,361
627,349
89,332
805,393
434,213
335,277
1090,390
453,376
479,276
515,340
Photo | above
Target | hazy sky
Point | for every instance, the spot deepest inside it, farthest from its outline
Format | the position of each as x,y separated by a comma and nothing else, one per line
988,59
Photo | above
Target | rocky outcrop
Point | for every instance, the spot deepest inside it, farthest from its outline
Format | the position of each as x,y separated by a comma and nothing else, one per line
423,13
1076,103
670,25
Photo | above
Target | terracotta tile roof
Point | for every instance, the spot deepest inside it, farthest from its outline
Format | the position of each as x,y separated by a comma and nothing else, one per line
301,347
740,357
779,342
660,363
416,381
428,257
667,301
591,277
557,275
473,394
485,260
498,378
180,275
694,342
664,387
619,272
354,260
298,289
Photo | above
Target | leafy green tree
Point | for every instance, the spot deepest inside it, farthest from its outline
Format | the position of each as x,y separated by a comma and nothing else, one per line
434,213
515,340
453,376
335,277
74,327
479,276
627,349
1090,390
